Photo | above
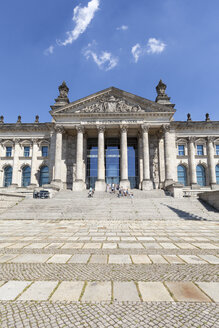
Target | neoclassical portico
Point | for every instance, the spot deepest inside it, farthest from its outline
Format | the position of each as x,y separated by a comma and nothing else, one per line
111,136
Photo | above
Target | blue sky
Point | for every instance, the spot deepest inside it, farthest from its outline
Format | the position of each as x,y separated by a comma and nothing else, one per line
129,44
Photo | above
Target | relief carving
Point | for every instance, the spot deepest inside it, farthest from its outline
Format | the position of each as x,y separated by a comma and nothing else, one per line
111,104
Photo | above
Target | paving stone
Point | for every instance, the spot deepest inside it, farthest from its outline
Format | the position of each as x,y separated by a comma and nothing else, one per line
206,245
173,259
31,258
72,245
168,245
154,291
192,259
187,292
109,245
210,258
97,292
54,245
152,245
37,245
68,291
140,259
59,258
7,257
10,290
157,259
125,291
211,289
130,245
119,259
92,245
101,259
2,283
38,291
4,245
185,245
79,258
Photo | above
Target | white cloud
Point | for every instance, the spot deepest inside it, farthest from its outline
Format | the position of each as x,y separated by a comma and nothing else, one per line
136,52
153,46
82,17
105,60
49,51
122,28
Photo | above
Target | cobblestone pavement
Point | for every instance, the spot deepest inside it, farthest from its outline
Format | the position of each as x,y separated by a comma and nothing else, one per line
145,263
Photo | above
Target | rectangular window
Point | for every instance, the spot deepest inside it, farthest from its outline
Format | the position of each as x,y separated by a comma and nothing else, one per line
217,150
8,151
200,150
45,151
26,151
181,150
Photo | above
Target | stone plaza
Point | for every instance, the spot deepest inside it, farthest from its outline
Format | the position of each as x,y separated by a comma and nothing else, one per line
70,261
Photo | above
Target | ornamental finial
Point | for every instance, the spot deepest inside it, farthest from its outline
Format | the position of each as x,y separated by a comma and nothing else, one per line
63,94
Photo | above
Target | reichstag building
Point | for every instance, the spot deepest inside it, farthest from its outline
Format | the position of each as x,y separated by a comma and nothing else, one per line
111,136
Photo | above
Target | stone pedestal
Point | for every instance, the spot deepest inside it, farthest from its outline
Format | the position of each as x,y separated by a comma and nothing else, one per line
147,185
100,185
79,185
125,184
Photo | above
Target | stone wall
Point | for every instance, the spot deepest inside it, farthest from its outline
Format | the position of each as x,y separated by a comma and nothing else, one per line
211,197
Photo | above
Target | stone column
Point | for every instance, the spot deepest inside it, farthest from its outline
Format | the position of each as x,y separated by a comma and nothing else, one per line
15,163
140,160
100,184
79,183
124,182
168,156
211,163
58,155
147,183
33,179
192,165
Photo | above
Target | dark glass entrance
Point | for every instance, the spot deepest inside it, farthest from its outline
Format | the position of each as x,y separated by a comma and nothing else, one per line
112,160
133,162
92,162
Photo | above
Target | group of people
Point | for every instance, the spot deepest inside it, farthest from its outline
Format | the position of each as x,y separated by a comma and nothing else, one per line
121,192
113,189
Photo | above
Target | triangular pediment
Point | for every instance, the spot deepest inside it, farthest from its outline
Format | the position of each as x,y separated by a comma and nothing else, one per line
111,101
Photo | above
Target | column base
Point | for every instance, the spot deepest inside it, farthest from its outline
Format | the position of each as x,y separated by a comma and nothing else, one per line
13,186
32,186
100,185
168,182
79,185
125,184
195,186
56,183
214,186
147,185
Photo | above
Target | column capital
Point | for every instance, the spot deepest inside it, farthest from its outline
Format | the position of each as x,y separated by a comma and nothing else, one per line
34,141
17,140
59,129
80,128
145,127
101,128
123,128
210,139
191,140
166,128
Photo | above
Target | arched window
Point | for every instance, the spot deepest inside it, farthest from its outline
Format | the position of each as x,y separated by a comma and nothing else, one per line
217,173
201,177
26,173
44,175
182,174
7,176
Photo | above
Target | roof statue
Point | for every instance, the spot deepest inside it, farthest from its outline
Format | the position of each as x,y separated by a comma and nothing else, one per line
162,97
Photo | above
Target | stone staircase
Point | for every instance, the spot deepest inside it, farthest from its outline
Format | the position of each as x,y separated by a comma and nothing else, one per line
70,205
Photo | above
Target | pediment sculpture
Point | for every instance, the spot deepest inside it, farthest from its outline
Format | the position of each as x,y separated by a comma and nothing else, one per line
111,104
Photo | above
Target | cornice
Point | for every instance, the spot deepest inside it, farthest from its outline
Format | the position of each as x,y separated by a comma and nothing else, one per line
27,127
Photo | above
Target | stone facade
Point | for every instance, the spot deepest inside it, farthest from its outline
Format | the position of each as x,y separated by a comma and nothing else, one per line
111,113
